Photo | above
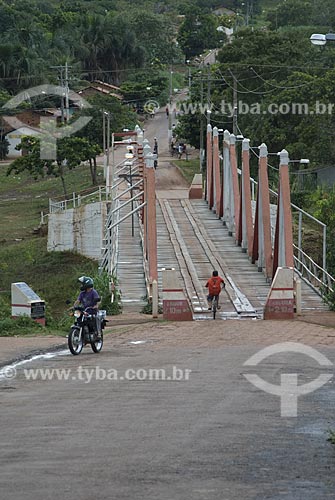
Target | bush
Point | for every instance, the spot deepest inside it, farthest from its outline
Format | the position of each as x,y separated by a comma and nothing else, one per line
102,285
22,325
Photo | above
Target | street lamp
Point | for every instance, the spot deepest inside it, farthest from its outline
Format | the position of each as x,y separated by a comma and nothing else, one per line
320,39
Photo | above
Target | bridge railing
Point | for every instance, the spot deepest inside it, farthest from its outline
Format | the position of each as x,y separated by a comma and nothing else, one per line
318,278
310,243
88,196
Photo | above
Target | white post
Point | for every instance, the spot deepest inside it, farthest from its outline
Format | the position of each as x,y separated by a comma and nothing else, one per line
298,306
154,299
263,153
226,176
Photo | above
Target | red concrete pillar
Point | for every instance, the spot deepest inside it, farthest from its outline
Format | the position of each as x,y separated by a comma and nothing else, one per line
245,233
262,248
234,194
209,165
216,171
283,246
151,222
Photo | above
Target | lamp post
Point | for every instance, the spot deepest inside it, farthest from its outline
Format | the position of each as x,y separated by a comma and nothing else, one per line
170,109
188,62
320,39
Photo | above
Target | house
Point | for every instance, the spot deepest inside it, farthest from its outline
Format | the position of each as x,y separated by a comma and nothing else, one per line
29,117
14,138
98,87
221,11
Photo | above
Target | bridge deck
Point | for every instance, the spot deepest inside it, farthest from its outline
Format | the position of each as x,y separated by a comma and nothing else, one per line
192,240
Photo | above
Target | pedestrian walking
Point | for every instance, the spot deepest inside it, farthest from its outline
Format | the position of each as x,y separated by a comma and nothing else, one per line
155,148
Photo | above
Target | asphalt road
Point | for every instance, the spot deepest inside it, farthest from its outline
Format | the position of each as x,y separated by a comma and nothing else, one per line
209,436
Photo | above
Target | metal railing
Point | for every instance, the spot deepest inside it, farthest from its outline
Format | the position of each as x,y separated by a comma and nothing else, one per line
308,233
76,200
317,277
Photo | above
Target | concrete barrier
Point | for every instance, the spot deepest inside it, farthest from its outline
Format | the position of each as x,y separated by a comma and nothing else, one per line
280,300
175,305
195,191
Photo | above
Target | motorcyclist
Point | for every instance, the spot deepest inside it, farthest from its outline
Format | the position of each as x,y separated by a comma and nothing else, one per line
89,299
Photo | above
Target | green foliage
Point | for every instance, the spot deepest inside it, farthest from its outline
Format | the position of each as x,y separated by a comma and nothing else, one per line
3,148
22,325
120,117
322,202
103,284
147,309
71,152
188,168
331,437
302,13
198,32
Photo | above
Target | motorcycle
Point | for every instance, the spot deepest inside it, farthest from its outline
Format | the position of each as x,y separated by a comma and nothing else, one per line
84,330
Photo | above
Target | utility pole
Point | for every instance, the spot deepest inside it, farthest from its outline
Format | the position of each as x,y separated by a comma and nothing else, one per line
63,79
170,108
67,107
201,122
235,103
208,95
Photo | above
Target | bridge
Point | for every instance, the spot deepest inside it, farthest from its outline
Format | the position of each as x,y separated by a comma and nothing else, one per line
228,222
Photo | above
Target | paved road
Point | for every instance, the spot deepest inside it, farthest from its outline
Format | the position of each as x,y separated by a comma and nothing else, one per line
211,435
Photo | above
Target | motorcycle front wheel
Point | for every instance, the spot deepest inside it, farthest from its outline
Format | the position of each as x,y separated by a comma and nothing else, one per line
97,344
75,341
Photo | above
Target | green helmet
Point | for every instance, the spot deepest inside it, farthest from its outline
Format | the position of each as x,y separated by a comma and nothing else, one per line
86,282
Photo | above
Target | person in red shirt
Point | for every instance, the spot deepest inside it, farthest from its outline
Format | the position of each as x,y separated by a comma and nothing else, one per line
215,284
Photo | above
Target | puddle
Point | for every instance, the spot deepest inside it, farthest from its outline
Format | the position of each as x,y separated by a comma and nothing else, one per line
140,342
315,429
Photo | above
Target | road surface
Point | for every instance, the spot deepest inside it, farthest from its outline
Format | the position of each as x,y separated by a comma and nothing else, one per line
112,431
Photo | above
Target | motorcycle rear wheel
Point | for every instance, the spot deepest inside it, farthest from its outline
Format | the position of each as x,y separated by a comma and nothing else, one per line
75,341
97,344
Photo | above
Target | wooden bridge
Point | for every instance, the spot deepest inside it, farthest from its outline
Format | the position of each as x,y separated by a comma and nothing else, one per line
193,239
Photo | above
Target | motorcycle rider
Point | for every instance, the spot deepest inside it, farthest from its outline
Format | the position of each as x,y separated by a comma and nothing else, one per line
89,298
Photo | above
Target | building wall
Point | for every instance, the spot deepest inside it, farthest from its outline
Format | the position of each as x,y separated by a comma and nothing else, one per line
14,138
80,230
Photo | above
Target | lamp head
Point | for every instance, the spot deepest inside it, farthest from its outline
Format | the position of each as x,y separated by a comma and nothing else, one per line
318,39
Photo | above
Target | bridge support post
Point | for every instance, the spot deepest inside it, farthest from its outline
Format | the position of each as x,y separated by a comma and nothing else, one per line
151,221
216,171
226,177
209,166
234,194
245,214
280,301
175,304
283,245
262,248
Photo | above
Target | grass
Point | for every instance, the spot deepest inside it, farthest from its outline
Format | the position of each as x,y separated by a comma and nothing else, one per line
22,199
23,253
331,437
188,168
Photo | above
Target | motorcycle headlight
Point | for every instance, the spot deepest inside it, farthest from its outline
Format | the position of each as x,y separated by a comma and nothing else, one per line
77,314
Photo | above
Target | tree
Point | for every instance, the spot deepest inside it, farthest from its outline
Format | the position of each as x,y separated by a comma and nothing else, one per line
197,33
71,152
121,117
4,144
